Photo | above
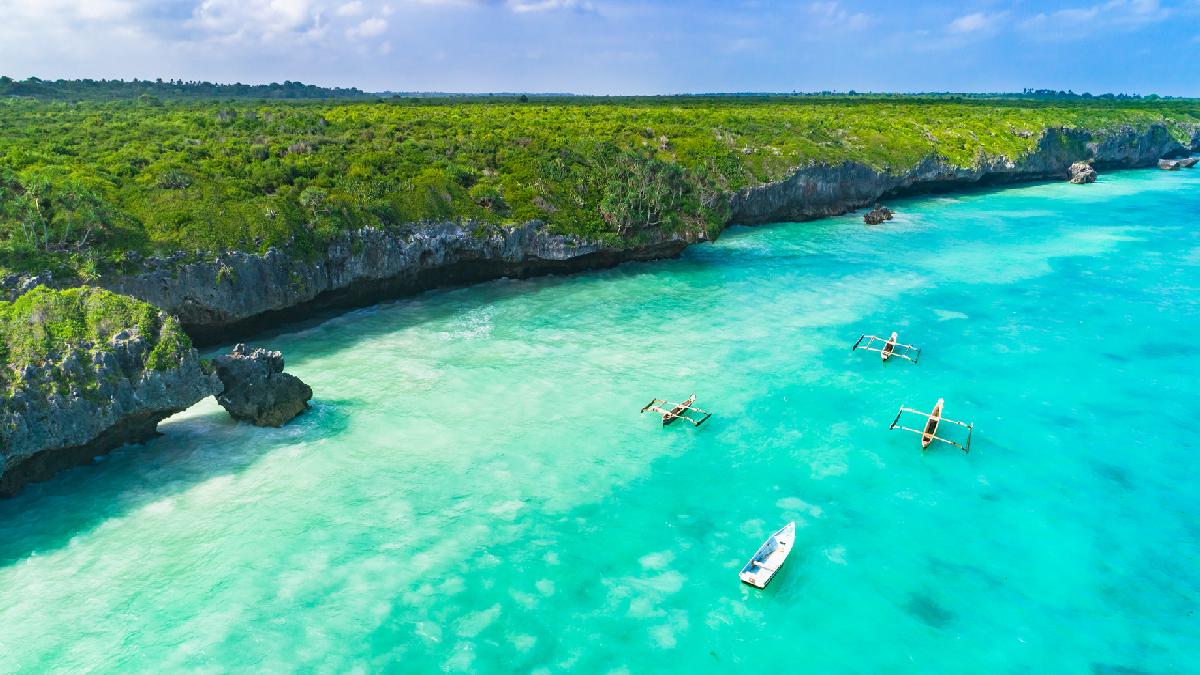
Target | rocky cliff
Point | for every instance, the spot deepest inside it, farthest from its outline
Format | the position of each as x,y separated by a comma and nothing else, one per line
238,292
87,371
822,190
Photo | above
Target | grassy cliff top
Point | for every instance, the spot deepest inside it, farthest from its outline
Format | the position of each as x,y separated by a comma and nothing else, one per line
41,326
83,184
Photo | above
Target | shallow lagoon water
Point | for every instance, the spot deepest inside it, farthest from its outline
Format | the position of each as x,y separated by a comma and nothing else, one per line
474,489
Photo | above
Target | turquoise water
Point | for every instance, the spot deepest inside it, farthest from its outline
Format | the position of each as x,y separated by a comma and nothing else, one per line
475,490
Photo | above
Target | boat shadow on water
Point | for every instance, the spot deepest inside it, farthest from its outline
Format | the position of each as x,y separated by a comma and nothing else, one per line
47,516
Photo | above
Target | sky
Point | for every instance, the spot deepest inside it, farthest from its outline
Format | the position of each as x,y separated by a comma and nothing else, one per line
616,46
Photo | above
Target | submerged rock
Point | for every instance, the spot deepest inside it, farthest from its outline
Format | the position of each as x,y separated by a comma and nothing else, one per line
1169,164
1082,172
877,215
256,388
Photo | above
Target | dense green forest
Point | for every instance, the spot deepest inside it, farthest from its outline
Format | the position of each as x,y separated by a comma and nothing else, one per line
86,185
148,91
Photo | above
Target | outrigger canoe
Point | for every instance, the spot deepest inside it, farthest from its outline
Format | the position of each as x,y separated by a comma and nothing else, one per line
931,425
888,348
933,420
769,558
677,411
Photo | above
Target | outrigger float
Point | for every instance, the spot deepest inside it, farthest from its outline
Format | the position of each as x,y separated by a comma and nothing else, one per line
677,411
932,420
888,348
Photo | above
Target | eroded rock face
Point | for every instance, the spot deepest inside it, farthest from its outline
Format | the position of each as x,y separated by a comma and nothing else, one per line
821,190
240,292
1081,173
42,433
256,388
1189,162
877,215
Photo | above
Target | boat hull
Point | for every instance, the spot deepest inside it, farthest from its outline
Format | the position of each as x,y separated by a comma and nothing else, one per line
931,426
761,568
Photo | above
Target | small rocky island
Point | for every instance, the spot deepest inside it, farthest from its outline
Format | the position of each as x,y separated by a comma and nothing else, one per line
878,215
1082,173
256,390
1177,164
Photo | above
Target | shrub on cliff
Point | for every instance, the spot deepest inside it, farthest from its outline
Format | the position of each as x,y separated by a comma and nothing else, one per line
47,327
81,184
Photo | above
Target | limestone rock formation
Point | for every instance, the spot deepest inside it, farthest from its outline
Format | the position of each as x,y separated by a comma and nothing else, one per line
256,388
235,292
86,397
1082,172
877,215
1189,162
1170,164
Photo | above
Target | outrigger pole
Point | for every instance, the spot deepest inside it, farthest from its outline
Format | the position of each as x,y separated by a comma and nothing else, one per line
871,339
964,447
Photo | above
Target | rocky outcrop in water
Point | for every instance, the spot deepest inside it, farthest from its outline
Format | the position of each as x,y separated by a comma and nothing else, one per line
1189,162
256,388
878,215
1170,164
1082,173
45,429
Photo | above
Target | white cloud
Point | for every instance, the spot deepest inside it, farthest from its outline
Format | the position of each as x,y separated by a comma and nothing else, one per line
350,9
1083,21
831,15
369,28
973,23
522,6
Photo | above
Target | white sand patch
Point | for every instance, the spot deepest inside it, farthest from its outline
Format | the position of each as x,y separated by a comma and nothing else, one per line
837,554
474,623
657,561
507,510
799,505
949,315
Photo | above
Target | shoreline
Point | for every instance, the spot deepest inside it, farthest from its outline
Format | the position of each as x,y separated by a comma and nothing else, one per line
241,294
238,294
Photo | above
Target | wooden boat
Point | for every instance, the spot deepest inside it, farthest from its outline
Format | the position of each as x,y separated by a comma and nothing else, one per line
677,411
769,557
674,413
931,424
934,419
890,347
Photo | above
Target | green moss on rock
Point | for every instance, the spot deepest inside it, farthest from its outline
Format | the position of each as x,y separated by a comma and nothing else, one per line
68,328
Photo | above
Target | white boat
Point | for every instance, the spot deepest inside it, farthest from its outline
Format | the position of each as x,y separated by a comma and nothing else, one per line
769,558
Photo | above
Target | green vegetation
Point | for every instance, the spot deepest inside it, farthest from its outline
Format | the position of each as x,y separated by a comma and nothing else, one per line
88,186
43,326
149,92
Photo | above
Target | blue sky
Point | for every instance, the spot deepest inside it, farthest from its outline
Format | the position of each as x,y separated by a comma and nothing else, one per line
616,46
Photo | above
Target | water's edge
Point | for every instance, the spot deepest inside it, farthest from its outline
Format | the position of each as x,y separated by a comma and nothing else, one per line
239,294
